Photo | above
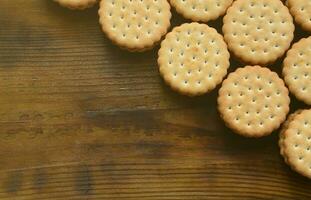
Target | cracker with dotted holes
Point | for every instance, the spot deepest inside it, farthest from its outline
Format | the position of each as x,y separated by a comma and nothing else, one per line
258,31
77,4
198,10
285,125
253,101
301,11
297,70
193,59
296,143
135,25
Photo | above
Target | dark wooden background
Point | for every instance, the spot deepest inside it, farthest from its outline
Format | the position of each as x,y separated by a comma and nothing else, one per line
82,119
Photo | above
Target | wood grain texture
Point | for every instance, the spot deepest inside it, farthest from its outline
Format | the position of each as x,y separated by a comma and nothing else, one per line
82,119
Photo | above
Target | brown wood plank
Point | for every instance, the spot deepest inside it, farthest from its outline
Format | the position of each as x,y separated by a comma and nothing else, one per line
82,119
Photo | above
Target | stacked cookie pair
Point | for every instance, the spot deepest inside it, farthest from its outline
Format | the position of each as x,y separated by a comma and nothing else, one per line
194,58
295,142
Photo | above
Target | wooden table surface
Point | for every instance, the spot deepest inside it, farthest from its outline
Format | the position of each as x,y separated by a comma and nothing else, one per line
82,119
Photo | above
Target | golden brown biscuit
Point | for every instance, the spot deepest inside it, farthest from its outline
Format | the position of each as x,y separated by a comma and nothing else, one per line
297,70
193,59
253,101
198,10
285,125
136,25
258,31
77,4
296,143
301,10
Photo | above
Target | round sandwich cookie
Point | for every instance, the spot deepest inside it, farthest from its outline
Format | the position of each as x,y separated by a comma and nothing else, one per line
295,142
135,25
77,4
297,70
193,59
284,128
198,10
301,10
258,31
253,101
